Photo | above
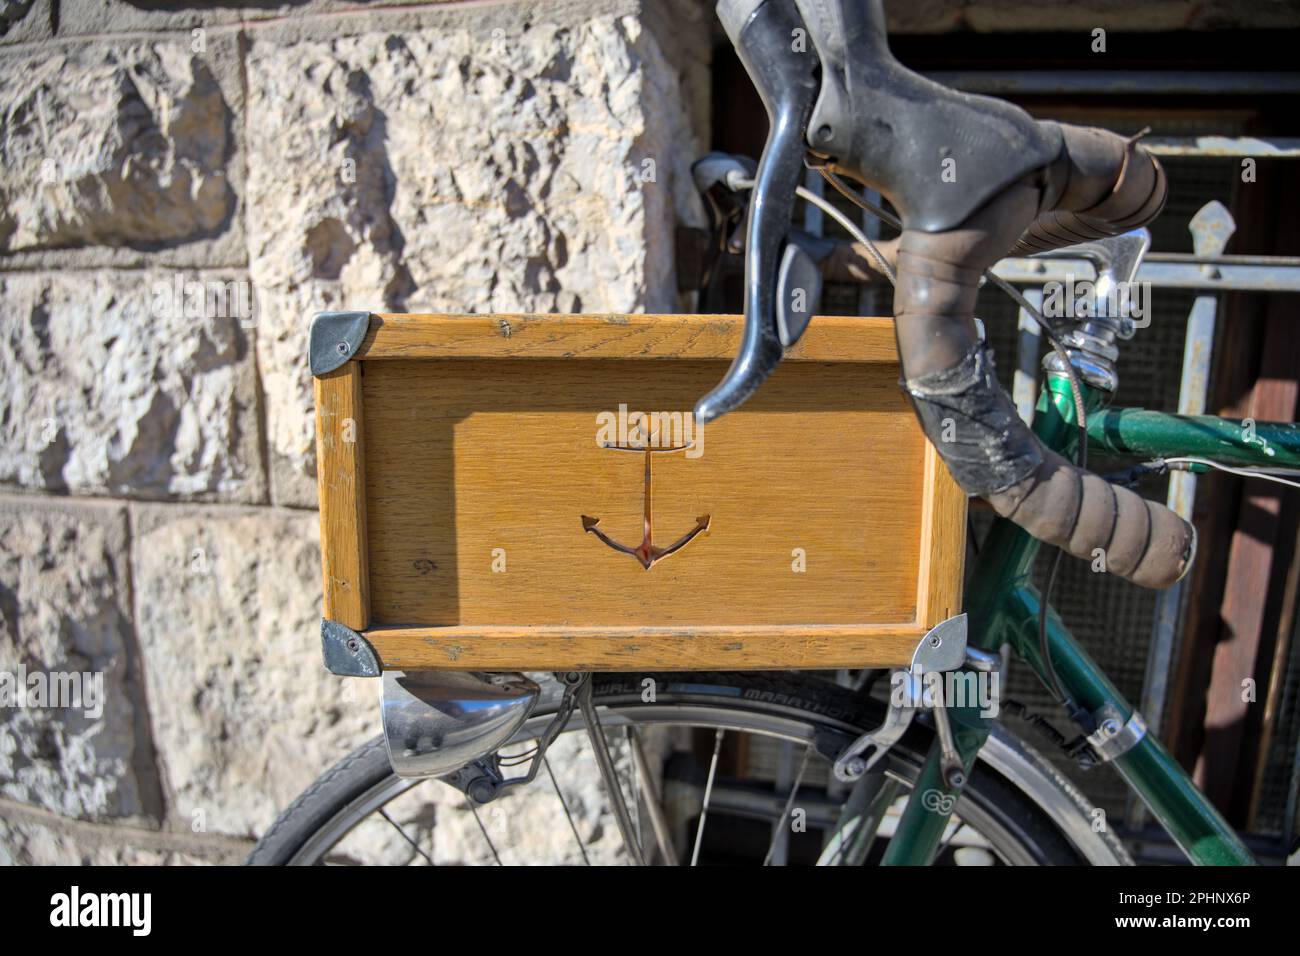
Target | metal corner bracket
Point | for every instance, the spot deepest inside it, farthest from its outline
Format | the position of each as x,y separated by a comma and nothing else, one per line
943,648
335,339
346,652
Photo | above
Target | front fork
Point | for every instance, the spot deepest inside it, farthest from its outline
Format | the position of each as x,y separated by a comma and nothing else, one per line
920,831
1002,607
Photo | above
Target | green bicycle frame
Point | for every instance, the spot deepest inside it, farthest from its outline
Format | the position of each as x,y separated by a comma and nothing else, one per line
1003,608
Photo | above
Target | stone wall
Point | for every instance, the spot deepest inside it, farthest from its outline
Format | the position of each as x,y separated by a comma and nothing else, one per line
181,187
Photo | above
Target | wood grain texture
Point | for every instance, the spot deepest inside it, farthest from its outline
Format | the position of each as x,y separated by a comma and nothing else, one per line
669,649
829,338
836,535
340,469
943,542
471,460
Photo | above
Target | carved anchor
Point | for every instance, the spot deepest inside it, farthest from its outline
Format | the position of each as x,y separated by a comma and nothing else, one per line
647,553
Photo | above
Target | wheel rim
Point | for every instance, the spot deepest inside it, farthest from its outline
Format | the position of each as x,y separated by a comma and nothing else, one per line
791,725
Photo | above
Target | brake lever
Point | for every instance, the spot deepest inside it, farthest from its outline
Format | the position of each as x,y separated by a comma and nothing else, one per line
784,72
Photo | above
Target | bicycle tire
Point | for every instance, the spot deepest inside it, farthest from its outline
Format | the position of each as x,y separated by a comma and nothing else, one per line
804,701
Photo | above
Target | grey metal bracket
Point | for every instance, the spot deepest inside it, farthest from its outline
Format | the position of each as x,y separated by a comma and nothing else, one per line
335,338
943,648
347,653
857,759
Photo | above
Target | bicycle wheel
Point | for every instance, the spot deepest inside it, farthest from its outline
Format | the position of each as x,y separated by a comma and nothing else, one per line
1015,809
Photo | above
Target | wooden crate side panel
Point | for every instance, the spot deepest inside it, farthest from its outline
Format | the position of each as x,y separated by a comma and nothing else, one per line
480,473
340,469
644,649
705,337
943,543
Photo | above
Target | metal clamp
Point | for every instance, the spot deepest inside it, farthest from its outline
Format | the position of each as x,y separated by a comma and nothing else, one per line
850,764
943,648
1114,735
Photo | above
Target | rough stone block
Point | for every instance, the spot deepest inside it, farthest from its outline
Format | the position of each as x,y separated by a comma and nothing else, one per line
65,608
22,21
112,147
458,170
245,716
115,386
122,153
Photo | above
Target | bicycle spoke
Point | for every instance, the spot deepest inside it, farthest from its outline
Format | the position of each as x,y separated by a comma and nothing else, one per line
394,824
653,802
957,827
635,788
779,829
482,829
567,815
708,793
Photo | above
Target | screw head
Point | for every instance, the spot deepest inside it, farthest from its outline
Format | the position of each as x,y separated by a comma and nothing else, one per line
852,769
936,640
343,348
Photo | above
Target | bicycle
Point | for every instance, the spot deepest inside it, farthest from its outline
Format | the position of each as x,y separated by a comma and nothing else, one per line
917,778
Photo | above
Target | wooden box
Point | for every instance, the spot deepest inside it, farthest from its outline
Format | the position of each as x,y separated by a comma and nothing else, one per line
472,507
